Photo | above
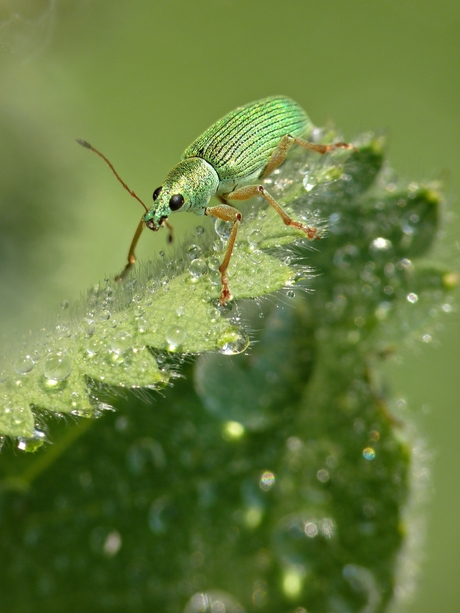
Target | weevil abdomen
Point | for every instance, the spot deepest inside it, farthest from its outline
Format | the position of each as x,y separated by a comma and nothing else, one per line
239,145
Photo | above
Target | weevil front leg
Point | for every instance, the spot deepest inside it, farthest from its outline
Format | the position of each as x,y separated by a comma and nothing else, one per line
244,193
131,254
279,154
226,213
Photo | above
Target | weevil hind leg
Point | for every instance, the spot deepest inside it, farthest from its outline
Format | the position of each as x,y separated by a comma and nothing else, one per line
226,213
244,193
279,154
131,254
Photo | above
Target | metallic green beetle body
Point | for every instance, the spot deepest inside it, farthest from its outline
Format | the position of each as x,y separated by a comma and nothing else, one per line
232,153
228,160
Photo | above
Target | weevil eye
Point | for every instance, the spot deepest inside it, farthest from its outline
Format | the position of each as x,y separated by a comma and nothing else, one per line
176,202
156,193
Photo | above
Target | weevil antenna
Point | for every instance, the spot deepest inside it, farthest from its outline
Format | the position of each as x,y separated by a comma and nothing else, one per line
85,144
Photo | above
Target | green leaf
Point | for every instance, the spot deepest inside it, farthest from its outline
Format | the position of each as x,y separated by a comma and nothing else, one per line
275,474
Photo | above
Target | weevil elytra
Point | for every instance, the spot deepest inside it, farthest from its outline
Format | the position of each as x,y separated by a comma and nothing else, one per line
228,160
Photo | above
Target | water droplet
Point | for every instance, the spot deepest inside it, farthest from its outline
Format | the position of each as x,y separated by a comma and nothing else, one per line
138,311
121,342
267,481
104,315
112,544
368,453
322,475
175,337
380,244
214,263
24,365
180,311
199,230
90,328
32,443
57,367
235,343
162,515
198,267
215,277
346,256
293,579
296,535
193,251
255,237
64,305
412,298
232,430
213,602
223,228
144,455
93,346
362,580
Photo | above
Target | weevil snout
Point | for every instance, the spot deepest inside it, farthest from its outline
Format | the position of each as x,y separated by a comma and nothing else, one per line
156,225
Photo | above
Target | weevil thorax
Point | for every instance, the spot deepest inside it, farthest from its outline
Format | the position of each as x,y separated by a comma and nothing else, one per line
187,187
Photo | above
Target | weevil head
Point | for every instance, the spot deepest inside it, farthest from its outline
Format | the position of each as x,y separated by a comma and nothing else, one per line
188,187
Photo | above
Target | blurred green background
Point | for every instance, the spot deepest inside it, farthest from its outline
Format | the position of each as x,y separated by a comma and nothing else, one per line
140,80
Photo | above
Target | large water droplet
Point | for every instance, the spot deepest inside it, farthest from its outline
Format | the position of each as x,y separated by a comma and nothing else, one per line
198,268
255,237
57,367
223,228
121,342
236,343
175,337
93,346
32,443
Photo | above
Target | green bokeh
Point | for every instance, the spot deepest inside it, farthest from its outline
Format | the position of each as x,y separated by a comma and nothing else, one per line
142,80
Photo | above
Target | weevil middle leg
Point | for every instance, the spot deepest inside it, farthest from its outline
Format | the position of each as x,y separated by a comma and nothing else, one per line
244,193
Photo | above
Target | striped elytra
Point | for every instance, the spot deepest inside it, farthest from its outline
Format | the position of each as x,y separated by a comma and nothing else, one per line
239,144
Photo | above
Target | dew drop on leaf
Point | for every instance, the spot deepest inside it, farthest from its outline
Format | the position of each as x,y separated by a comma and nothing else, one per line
175,337
237,344
57,367
198,267
24,365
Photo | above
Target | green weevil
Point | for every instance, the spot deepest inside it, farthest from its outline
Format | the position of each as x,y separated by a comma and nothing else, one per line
228,161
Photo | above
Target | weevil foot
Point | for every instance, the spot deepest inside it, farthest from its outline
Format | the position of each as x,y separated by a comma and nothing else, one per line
225,295
312,233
